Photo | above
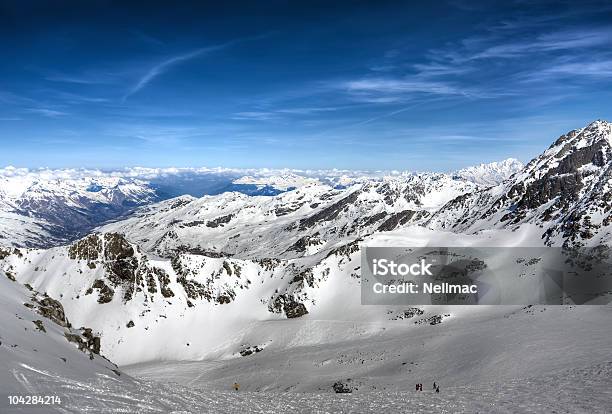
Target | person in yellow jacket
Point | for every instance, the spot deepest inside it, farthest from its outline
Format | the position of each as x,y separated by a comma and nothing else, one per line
236,386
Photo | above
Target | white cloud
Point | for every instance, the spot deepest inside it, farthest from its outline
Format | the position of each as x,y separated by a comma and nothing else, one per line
50,113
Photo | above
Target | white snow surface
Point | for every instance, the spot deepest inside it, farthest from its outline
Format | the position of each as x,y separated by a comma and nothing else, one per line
492,173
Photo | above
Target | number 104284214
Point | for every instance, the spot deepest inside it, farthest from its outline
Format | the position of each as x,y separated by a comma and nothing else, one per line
34,400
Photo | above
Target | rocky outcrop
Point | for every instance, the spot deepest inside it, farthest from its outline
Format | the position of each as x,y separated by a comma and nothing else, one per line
220,221
342,387
328,213
288,304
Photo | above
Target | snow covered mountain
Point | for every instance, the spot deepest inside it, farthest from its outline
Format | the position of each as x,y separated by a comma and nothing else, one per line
270,185
46,208
490,174
566,191
45,211
301,222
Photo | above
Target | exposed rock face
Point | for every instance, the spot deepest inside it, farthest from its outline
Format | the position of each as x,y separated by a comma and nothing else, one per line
40,326
164,281
220,221
329,213
342,387
50,309
124,267
288,304
105,293
295,309
401,218
432,320
405,314
250,350
85,340
4,253
88,248
116,247
305,242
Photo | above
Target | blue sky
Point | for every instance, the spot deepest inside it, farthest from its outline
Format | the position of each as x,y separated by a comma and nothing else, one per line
317,84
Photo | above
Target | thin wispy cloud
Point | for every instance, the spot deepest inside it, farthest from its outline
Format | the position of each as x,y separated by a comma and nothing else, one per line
167,64
383,85
156,134
511,45
162,67
585,68
74,79
277,114
50,113
88,77
254,116
308,110
550,42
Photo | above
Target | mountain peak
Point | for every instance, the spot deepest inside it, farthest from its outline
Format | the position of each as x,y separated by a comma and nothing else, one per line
491,173
565,190
599,123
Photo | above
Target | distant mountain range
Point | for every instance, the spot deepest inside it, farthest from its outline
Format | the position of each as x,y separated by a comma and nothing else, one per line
44,208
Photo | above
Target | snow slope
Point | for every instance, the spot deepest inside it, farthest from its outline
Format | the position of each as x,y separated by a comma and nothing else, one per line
34,340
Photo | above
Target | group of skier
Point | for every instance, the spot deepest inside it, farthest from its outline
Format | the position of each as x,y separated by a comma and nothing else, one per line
436,387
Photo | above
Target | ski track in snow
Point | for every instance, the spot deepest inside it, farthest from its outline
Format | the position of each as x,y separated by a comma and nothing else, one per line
571,391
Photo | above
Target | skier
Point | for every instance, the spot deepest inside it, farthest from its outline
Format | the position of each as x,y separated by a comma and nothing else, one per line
434,387
438,389
417,387
236,386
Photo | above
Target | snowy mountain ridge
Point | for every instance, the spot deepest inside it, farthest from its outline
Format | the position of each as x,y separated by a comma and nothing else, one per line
565,191
492,173
290,224
43,208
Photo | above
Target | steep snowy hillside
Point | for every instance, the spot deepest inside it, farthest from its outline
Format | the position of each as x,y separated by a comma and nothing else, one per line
277,325
37,337
46,365
566,191
297,223
491,174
